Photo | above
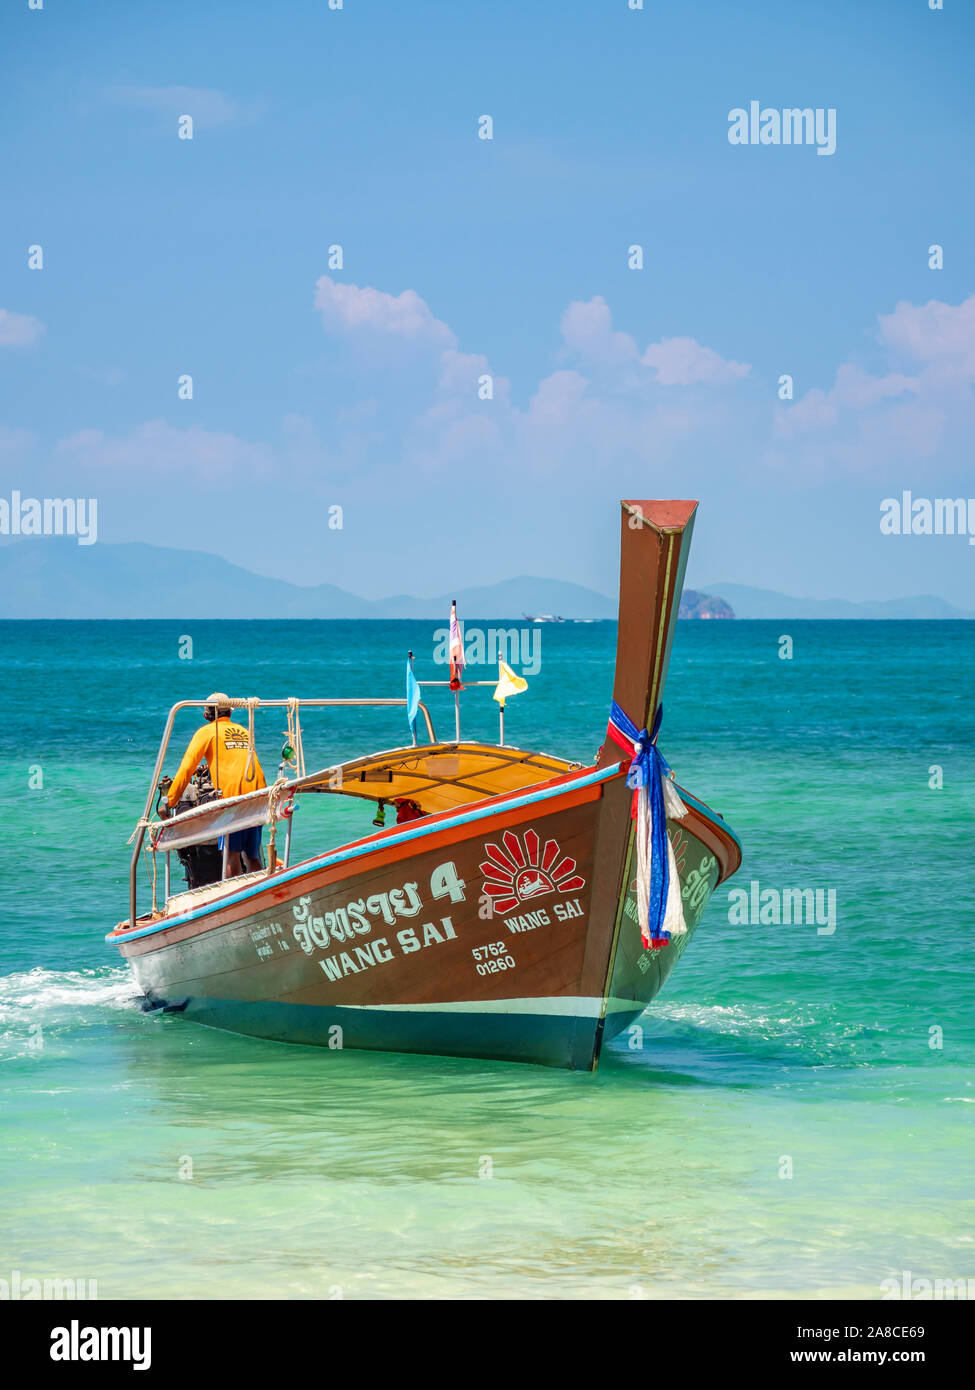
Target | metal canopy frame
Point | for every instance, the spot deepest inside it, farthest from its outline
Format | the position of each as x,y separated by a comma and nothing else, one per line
234,704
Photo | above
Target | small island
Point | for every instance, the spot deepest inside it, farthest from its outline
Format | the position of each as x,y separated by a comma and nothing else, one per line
697,605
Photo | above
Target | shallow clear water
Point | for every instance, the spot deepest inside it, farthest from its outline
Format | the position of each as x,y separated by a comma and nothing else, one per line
165,1159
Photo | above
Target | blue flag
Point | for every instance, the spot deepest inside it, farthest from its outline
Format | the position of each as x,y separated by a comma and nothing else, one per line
412,697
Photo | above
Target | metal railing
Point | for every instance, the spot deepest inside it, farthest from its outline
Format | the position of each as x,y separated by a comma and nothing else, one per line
234,704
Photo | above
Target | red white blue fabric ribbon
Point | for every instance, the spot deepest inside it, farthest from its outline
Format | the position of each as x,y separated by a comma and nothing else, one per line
657,881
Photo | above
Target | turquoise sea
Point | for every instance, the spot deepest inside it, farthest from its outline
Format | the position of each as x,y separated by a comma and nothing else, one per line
163,1159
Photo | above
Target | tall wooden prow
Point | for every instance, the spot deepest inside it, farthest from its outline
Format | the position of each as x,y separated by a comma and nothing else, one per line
654,543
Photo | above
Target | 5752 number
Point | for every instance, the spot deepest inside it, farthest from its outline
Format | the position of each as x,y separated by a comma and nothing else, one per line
492,958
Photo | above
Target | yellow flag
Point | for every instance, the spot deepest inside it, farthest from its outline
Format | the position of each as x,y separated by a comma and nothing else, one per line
508,683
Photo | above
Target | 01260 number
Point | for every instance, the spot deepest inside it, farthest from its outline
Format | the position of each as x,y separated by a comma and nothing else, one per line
492,958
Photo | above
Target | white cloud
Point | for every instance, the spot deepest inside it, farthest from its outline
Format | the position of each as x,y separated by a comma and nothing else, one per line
460,371
351,309
854,389
684,361
587,330
17,330
157,448
557,399
208,106
878,422
934,334
610,404
588,333
614,411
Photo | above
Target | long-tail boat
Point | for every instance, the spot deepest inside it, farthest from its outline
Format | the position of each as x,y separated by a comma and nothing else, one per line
530,910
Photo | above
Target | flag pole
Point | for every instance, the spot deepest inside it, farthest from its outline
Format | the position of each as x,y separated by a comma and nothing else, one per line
409,657
501,717
456,663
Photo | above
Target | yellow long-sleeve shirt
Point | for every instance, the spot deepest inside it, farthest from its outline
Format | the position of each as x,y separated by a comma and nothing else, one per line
226,760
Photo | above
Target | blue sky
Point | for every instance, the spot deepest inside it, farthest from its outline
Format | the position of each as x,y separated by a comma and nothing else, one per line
508,257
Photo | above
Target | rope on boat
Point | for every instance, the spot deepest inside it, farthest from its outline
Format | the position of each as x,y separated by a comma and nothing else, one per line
277,793
252,703
154,828
658,893
150,875
294,734
155,908
647,875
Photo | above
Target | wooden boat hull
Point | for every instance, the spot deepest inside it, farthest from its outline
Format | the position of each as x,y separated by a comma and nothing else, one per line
503,927
402,942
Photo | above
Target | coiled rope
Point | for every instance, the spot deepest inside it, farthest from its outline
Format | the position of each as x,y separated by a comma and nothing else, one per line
294,735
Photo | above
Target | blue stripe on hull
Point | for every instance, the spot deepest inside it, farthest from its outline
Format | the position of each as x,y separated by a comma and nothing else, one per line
545,1039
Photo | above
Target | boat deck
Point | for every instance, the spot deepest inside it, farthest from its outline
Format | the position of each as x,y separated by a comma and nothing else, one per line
196,897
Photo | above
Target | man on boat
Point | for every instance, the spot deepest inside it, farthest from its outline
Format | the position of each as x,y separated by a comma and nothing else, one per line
234,769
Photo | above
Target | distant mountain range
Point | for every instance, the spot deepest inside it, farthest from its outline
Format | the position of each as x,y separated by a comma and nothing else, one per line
766,603
54,577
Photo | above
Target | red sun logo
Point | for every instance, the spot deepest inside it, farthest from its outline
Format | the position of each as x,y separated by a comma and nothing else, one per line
515,873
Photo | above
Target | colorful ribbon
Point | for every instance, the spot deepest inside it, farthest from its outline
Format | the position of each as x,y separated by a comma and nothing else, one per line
647,768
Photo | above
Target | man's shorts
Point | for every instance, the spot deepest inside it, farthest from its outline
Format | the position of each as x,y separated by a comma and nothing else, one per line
245,842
